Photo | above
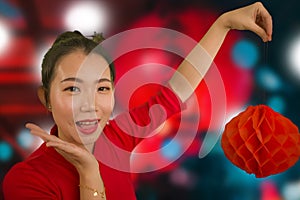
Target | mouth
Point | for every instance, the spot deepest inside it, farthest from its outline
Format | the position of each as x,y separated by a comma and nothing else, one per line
87,126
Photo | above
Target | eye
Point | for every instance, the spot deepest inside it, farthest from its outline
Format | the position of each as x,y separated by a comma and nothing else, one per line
104,89
72,89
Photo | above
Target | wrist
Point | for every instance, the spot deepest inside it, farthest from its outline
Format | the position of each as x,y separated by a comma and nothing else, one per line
95,192
88,167
88,174
91,185
223,22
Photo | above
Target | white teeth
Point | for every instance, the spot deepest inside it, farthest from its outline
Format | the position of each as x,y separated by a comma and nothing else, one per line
87,123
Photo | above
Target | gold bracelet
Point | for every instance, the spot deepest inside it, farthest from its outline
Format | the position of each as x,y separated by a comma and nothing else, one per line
95,192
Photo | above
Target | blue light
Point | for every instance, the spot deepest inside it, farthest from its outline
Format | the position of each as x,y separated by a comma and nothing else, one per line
6,151
245,54
171,149
277,103
25,139
8,9
268,79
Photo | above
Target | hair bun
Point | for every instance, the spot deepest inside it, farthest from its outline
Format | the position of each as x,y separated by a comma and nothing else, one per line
97,37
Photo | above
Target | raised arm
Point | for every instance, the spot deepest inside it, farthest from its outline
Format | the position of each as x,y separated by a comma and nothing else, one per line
191,71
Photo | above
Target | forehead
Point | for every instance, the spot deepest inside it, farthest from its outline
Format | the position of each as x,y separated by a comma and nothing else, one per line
79,64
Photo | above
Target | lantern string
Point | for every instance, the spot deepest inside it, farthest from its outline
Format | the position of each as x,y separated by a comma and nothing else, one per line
265,63
266,47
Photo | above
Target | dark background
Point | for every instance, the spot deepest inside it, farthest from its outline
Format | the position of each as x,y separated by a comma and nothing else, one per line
34,24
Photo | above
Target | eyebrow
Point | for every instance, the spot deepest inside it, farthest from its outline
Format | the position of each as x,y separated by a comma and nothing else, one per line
74,79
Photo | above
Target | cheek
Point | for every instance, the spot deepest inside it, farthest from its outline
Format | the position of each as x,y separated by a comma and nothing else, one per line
61,106
106,104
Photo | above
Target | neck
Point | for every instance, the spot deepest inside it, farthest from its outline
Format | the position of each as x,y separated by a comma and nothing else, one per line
90,147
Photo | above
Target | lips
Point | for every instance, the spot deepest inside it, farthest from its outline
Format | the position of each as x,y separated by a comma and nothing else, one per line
87,126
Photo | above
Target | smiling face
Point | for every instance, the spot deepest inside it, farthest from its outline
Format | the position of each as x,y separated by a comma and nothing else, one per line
81,97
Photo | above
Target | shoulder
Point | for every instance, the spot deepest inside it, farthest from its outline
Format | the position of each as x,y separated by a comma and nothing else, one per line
21,172
25,179
29,166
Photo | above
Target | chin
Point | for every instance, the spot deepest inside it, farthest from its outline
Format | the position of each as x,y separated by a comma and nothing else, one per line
90,138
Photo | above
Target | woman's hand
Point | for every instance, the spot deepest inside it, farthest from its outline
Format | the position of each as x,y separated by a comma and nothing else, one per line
81,158
84,161
253,18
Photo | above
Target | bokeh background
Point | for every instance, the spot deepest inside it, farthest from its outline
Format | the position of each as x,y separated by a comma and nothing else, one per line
253,73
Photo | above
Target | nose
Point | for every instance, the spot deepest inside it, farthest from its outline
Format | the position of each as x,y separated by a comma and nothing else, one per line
89,104
88,108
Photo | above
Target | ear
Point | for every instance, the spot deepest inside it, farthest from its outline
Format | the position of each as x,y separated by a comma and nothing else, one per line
42,96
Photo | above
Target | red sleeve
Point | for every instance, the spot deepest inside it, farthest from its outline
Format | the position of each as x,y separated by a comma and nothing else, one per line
23,182
128,129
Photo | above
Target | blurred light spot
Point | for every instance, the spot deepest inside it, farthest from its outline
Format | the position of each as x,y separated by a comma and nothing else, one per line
245,54
183,178
5,37
6,151
171,149
277,103
269,191
8,9
87,17
268,79
25,139
291,191
293,55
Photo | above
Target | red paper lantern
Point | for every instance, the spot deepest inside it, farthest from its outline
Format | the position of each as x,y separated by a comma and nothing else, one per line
261,141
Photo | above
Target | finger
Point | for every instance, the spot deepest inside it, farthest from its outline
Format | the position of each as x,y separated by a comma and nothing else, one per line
61,149
268,25
35,127
37,131
62,145
66,149
259,31
265,20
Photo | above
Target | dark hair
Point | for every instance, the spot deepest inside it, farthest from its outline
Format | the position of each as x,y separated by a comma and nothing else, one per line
67,43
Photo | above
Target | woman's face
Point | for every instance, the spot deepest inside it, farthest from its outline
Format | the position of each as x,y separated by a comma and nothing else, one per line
81,97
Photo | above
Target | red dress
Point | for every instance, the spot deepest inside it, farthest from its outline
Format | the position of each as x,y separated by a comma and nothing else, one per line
45,174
